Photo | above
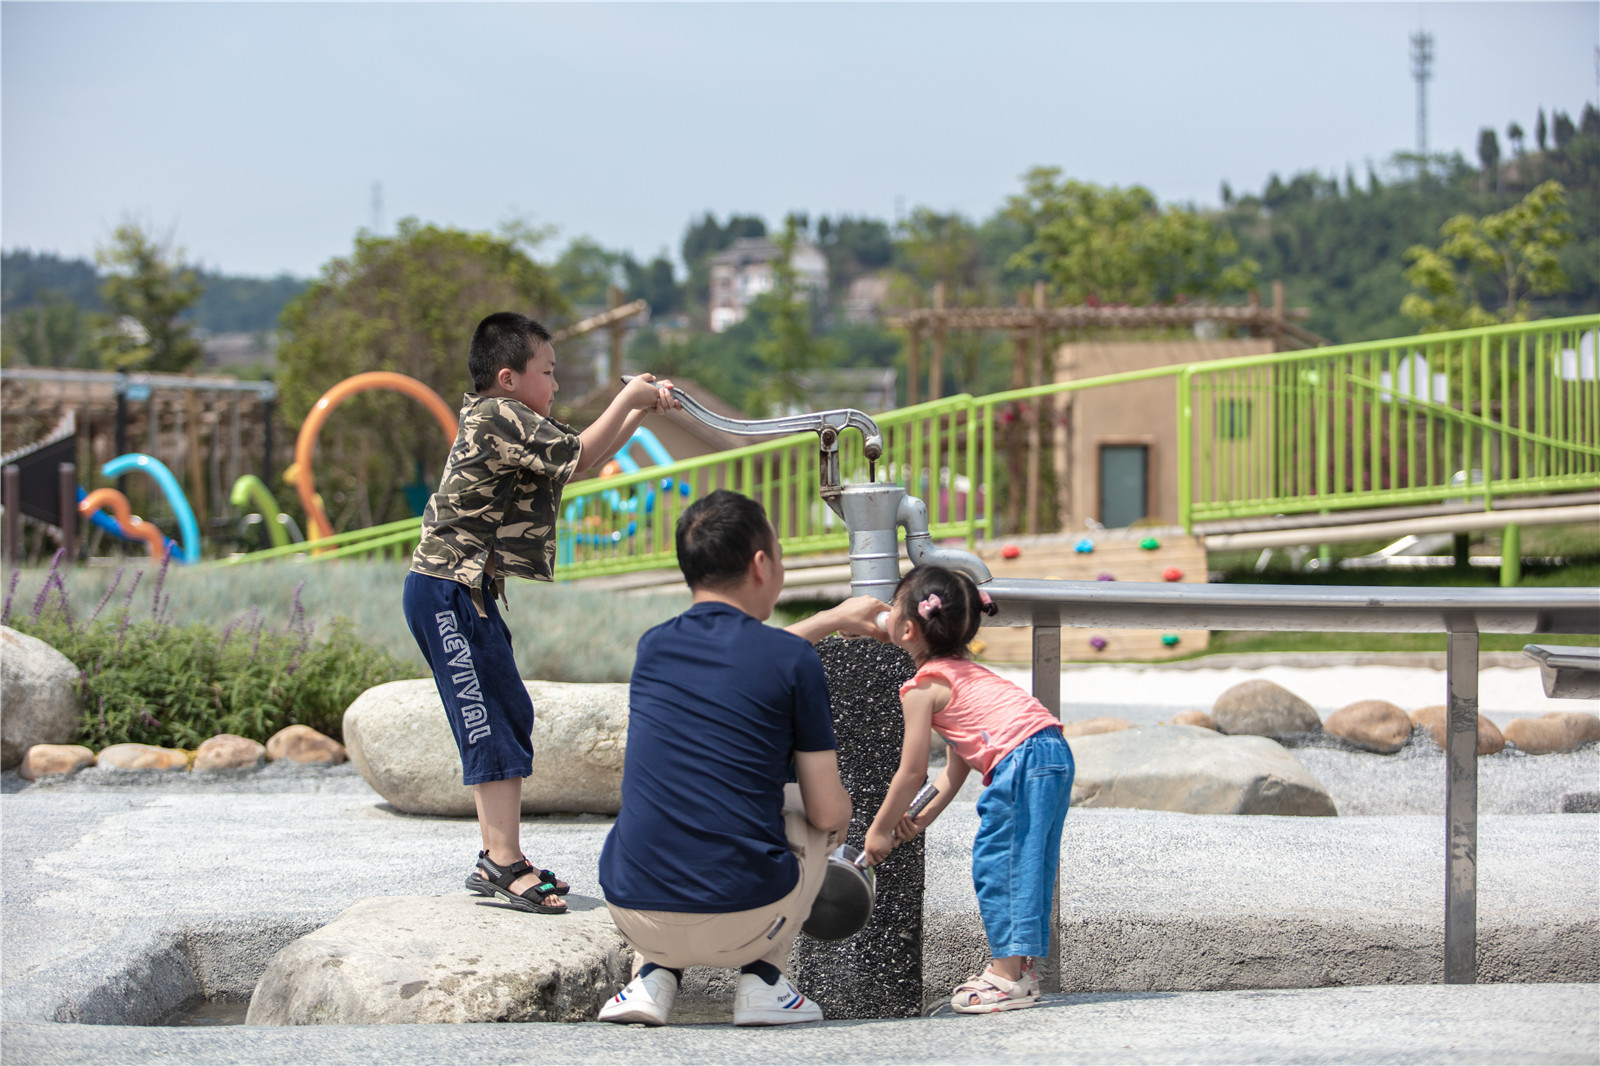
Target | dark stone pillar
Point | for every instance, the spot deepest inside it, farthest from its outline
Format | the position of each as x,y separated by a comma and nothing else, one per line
878,972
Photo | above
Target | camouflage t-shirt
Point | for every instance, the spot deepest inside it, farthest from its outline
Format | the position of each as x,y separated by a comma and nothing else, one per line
500,490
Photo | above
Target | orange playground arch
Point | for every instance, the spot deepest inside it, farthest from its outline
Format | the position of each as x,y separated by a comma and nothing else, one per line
300,475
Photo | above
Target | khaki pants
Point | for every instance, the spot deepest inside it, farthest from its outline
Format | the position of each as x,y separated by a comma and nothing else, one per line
675,940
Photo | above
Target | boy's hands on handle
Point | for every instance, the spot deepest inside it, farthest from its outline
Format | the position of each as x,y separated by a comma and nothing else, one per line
642,392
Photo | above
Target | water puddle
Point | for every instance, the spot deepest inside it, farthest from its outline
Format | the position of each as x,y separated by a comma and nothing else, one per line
213,1010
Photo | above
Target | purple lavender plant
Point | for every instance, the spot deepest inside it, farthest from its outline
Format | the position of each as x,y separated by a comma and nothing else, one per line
11,592
161,579
49,583
110,591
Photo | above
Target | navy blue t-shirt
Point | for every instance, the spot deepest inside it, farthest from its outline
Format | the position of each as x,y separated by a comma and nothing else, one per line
718,704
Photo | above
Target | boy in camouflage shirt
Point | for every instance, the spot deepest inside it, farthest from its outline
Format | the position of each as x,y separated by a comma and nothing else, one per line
495,514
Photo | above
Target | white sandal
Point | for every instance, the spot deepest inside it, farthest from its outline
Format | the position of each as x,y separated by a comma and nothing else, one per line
994,993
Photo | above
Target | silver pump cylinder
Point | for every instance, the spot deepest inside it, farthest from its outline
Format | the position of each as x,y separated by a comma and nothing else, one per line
873,513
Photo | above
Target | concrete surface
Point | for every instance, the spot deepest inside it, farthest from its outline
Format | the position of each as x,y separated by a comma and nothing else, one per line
124,895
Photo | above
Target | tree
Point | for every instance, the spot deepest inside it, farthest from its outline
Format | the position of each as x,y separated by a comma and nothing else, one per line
1562,127
584,271
1512,254
1489,156
654,282
406,303
1515,135
1119,246
1589,123
1541,131
789,349
54,332
145,292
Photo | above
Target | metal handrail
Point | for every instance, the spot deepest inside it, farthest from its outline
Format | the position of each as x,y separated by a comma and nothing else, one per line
1460,614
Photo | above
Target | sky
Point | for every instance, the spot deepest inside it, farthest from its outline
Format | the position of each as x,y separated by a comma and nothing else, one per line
253,133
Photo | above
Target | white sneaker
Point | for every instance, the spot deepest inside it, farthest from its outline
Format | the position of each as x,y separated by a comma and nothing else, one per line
647,999
758,1003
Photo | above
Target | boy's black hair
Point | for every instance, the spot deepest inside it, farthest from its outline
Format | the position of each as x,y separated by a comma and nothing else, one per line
718,535
504,339
950,626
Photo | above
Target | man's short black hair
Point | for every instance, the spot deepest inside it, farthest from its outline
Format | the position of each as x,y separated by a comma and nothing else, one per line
718,535
504,339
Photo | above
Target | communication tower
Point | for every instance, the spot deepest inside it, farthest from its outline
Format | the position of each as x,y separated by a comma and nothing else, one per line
1422,70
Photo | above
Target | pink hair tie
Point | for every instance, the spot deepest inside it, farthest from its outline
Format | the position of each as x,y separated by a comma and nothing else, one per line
928,606
984,598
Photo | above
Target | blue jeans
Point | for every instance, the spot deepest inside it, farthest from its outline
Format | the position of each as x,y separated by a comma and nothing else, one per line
1017,853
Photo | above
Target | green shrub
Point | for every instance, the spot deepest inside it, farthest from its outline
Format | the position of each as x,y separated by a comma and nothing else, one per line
148,680
560,632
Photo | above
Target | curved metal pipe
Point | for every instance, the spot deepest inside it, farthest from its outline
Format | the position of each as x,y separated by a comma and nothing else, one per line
912,514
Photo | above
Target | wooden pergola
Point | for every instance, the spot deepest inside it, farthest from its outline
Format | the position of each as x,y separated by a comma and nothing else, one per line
1033,324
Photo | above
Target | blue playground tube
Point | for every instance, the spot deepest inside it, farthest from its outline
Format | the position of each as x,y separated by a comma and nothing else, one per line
658,454
179,503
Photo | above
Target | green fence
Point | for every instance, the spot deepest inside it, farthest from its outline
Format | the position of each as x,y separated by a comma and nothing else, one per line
1506,410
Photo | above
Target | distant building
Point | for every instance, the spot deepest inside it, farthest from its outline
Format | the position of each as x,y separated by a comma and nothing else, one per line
866,388
237,351
743,271
864,300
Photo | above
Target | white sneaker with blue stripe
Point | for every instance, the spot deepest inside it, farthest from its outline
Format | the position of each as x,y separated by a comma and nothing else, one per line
645,1000
758,1003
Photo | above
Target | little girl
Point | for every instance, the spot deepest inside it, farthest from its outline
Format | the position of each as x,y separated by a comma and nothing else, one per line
1015,743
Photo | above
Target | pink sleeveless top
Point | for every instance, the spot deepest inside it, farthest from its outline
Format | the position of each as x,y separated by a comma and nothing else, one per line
987,716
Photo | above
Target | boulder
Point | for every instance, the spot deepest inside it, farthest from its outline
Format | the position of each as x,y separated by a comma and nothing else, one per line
45,760
142,757
1263,709
1433,719
1372,725
228,751
1194,771
1091,726
1555,732
457,958
400,742
1199,719
301,743
42,702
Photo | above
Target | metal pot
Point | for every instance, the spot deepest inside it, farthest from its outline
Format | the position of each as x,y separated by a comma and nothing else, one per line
850,887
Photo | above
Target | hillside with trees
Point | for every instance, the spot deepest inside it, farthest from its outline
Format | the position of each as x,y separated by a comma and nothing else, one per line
1418,233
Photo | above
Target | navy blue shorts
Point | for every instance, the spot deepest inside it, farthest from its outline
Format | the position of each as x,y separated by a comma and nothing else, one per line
485,700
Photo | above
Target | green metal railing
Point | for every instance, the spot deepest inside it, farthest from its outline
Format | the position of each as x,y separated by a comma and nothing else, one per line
1505,410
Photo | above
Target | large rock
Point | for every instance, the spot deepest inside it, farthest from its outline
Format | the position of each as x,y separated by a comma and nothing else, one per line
1263,709
229,751
457,958
142,757
46,760
302,744
1195,771
1374,725
1089,727
1196,718
1435,718
400,743
41,702
1555,732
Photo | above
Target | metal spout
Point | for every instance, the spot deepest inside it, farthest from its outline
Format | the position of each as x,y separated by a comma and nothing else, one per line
920,549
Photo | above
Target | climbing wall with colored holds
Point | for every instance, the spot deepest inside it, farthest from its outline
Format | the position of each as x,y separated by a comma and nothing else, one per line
1157,556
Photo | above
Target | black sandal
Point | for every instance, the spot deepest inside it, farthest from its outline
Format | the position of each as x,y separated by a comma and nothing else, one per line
481,887
495,880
